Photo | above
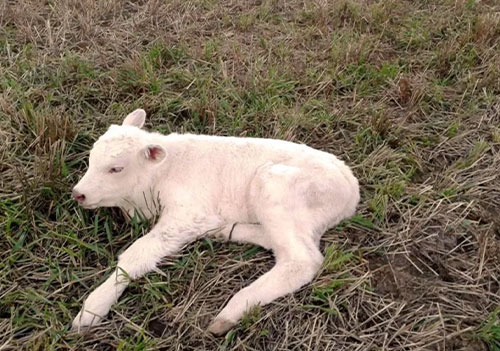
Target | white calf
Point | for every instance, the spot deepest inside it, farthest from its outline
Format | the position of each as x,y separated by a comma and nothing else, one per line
282,196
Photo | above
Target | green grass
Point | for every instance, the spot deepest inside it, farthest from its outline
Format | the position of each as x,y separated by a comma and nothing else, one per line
407,93
490,331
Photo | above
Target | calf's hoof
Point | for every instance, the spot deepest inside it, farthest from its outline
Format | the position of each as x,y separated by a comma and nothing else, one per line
220,326
84,321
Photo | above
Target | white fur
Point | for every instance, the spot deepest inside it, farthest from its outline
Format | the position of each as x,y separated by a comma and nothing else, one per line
283,196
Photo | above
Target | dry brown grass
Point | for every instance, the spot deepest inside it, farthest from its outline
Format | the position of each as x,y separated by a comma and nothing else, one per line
406,92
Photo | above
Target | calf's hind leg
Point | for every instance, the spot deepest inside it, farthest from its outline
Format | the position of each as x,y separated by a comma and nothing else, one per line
294,268
287,230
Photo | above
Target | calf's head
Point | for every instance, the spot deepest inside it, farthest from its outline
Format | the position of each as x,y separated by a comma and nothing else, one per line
121,165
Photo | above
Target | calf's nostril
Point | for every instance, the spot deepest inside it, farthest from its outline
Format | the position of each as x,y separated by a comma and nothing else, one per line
78,196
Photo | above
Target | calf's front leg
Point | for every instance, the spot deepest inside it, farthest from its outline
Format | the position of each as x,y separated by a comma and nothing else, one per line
140,258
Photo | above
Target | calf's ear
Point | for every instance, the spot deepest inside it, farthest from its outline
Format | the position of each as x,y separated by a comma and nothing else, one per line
136,118
154,153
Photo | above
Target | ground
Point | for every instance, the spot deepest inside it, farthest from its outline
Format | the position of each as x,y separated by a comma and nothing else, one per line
406,92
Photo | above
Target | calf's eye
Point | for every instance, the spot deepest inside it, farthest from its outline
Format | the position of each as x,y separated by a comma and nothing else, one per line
115,169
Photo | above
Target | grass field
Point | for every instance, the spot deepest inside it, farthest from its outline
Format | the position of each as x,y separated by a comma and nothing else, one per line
406,92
